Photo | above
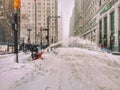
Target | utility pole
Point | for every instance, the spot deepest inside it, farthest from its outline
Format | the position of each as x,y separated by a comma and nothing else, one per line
16,9
41,38
35,21
29,41
48,30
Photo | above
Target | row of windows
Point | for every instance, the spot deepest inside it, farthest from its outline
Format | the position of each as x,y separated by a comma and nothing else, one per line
89,10
45,24
38,4
51,8
47,0
45,4
39,12
33,7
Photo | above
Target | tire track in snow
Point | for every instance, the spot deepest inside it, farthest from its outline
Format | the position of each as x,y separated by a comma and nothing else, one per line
87,74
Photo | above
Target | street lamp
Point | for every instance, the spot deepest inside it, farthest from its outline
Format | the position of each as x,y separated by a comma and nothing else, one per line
29,41
35,21
48,19
41,38
16,23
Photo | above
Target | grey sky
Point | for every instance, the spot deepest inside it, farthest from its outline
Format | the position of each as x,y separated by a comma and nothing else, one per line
65,7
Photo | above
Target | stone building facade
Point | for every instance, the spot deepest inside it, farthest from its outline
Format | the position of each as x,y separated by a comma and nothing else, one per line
6,17
99,22
34,16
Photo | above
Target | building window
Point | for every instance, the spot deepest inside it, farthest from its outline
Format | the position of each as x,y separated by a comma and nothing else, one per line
39,4
39,23
100,3
28,4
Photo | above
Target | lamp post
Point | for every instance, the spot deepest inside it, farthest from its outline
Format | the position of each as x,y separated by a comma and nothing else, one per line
35,21
29,41
41,38
48,20
16,23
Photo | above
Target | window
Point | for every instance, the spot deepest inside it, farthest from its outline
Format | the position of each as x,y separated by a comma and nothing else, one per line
39,23
100,3
39,3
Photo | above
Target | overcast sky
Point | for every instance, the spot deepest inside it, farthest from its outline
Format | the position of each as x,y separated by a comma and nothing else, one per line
65,9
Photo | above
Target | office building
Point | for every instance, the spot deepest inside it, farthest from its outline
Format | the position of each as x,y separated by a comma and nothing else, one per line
98,21
34,19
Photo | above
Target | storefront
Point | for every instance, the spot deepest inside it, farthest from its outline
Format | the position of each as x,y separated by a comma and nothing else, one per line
109,26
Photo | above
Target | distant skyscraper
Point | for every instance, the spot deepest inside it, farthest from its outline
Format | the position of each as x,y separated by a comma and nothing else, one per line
60,21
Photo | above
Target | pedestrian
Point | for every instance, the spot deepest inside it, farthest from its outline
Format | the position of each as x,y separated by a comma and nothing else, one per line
103,46
34,52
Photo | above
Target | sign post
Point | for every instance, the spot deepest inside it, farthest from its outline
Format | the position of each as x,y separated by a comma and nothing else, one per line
41,38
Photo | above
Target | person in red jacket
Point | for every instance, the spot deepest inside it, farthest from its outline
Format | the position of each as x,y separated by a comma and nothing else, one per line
103,46
34,52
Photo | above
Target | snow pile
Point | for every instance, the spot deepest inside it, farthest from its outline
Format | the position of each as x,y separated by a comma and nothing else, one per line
75,42
82,43
64,69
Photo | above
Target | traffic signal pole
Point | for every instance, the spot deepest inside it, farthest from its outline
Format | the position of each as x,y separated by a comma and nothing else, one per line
16,34
41,38
16,9
48,31
35,21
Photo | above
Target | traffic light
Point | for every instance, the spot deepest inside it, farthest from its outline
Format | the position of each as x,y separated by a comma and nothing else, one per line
17,4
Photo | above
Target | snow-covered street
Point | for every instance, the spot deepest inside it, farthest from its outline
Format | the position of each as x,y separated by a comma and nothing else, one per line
62,69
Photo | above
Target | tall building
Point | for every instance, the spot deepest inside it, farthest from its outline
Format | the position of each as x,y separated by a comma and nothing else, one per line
60,21
60,28
85,12
72,24
36,16
98,21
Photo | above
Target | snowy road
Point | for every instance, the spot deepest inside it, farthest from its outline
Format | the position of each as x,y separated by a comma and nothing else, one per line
64,69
